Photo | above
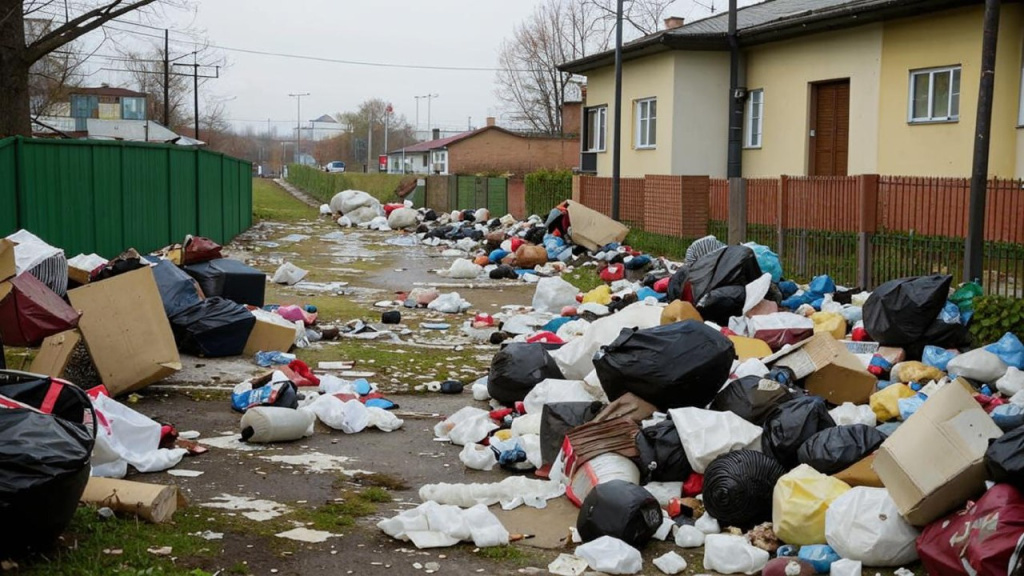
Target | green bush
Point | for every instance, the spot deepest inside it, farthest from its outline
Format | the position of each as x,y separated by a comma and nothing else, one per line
324,185
995,316
546,189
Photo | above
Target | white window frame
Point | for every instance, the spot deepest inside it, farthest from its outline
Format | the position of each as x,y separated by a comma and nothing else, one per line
646,139
601,113
440,157
753,136
954,90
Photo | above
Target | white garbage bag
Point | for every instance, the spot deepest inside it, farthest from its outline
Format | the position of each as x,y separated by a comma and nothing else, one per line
349,200
553,390
123,437
849,414
689,537
403,218
289,274
444,428
610,555
573,329
530,443
864,524
845,567
478,457
350,417
670,563
451,303
553,294
707,524
707,434
527,424
383,420
1011,383
511,492
576,358
567,565
463,269
728,554
485,528
978,364
472,430
433,525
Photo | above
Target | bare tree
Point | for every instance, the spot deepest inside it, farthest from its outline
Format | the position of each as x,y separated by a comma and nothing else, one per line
147,73
54,75
369,117
529,84
17,56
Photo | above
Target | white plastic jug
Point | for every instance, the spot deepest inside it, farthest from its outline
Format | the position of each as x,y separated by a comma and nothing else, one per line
276,424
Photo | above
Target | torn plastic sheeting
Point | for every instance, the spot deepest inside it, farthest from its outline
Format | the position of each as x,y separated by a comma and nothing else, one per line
466,426
433,525
123,437
451,303
510,492
350,417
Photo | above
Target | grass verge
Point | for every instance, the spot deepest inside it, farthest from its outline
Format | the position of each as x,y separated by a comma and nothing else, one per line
271,202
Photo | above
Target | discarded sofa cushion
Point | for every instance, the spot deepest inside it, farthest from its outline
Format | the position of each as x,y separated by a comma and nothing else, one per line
29,312
672,366
835,449
230,279
44,459
738,488
558,418
213,328
662,457
517,368
983,536
752,398
795,422
619,509
178,290
899,312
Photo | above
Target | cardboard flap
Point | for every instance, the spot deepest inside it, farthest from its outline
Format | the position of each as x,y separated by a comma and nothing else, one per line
55,353
591,229
8,266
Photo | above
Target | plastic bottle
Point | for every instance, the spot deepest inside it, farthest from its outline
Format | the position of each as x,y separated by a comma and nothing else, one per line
274,424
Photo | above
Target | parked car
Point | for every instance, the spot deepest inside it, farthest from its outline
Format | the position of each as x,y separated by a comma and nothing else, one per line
336,166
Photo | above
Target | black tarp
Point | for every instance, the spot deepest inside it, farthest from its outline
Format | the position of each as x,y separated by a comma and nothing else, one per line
213,328
178,290
752,398
620,509
230,279
672,366
738,488
795,422
835,449
517,368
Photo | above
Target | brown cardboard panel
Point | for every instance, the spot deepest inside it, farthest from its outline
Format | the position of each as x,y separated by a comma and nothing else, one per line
831,370
935,461
747,348
55,353
861,474
549,526
7,264
152,502
126,330
271,333
591,229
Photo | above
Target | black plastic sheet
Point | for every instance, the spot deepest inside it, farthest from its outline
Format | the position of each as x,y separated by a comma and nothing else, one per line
835,449
662,458
558,418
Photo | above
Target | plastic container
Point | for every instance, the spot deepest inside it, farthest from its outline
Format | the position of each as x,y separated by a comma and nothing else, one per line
603,468
275,424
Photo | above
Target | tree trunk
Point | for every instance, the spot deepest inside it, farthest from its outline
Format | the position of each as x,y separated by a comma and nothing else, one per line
14,101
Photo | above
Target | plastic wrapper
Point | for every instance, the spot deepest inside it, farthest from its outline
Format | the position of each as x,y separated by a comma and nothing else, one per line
689,537
938,357
819,556
622,510
799,503
350,417
913,371
670,563
795,422
849,413
738,488
464,270
478,457
707,434
553,294
885,402
767,260
865,525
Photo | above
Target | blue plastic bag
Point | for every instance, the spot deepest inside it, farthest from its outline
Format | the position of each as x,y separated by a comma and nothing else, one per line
1008,416
646,292
938,357
553,245
767,260
788,288
1009,349
822,285
888,428
497,255
554,324
270,358
795,301
908,406
950,313
819,556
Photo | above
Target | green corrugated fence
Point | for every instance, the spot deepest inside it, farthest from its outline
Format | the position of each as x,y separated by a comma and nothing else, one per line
94,196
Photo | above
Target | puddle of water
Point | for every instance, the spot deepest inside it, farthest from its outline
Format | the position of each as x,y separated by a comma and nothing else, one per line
292,238
251,508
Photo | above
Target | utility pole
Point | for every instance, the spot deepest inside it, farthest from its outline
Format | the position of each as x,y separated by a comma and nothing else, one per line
734,162
369,141
387,125
617,124
418,114
430,98
974,249
298,123
195,65
167,77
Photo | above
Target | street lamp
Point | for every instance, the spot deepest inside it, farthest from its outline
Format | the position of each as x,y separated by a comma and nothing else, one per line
429,98
387,118
298,122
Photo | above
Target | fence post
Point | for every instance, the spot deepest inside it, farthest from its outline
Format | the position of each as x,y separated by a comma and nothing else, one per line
737,210
867,225
782,219
576,184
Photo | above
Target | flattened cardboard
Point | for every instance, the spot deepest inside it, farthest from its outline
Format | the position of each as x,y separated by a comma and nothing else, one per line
271,333
154,503
861,474
591,229
55,353
747,348
935,461
126,331
8,266
832,372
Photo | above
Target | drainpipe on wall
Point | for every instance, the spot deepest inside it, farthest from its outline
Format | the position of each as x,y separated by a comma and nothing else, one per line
734,167
617,123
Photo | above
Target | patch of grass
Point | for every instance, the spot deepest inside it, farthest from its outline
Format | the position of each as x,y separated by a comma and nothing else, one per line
377,495
584,278
271,202
341,513
506,554
381,480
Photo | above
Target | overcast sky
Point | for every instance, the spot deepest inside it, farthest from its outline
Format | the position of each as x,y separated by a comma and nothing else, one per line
459,33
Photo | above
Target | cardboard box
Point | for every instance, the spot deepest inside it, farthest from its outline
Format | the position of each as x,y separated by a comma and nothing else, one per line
55,354
747,348
591,229
935,461
126,331
831,371
8,266
155,503
271,333
861,474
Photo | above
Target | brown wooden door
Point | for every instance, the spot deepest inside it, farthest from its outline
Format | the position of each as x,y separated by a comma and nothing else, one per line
830,128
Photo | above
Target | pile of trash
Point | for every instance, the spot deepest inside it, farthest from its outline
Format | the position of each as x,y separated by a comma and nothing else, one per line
784,428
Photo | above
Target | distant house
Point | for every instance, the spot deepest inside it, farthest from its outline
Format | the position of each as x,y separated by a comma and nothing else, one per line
830,87
322,128
491,149
105,112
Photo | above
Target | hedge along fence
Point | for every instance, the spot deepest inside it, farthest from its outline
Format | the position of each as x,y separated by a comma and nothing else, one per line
324,185
546,189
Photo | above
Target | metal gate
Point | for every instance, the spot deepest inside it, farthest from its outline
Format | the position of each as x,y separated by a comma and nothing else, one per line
471,192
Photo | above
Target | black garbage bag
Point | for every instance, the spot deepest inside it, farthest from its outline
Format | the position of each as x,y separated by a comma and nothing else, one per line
44,459
730,266
899,312
662,458
213,328
1004,458
723,303
517,368
835,449
672,366
795,422
752,398
178,290
678,289
535,235
620,509
557,419
738,488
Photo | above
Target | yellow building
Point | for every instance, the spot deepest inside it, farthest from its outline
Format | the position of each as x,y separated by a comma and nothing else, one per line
831,87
